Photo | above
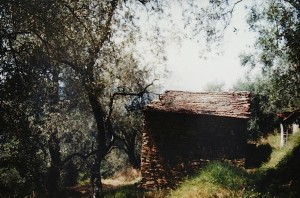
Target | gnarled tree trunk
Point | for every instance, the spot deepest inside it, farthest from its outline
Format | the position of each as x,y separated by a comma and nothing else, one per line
99,115
130,145
54,169
96,179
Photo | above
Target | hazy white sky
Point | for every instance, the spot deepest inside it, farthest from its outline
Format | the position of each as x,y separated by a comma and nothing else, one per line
190,72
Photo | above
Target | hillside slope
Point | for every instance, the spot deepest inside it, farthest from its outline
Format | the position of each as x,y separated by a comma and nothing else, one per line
279,177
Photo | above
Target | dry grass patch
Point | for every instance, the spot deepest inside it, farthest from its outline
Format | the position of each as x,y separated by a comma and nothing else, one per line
127,177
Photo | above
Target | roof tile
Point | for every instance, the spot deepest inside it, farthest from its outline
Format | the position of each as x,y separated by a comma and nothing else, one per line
228,104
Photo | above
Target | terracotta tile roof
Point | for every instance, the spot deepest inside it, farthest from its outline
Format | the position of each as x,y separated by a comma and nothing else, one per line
228,104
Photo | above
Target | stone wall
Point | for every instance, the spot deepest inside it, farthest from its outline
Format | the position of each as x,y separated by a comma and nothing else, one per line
175,145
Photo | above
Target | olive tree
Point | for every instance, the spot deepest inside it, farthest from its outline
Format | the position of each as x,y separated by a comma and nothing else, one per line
277,50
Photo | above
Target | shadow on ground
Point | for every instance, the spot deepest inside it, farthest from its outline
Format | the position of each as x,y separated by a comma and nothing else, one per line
283,180
257,155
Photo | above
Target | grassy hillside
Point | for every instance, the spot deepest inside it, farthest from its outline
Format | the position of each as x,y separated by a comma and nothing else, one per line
215,180
279,177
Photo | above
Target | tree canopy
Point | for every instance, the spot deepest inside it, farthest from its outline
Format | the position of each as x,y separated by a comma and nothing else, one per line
58,60
277,44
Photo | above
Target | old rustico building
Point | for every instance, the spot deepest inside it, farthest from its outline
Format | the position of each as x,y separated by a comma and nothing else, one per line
184,130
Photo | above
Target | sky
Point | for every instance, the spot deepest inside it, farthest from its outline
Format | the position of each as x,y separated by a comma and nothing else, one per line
190,72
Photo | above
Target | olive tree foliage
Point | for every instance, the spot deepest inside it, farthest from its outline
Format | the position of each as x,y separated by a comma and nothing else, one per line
32,115
75,39
25,83
277,51
207,20
276,54
214,86
22,152
263,120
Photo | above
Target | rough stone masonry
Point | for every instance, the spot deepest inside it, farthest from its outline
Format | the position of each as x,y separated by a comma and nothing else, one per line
185,130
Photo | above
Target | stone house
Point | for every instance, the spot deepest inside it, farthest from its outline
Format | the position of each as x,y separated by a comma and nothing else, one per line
184,130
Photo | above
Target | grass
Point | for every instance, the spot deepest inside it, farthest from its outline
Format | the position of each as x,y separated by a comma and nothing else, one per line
124,192
279,153
217,179
278,177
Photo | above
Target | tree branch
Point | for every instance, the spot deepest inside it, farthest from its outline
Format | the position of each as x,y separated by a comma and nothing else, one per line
78,19
139,94
74,66
109,146
107,26
117,147
230,12
232,9
82,156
